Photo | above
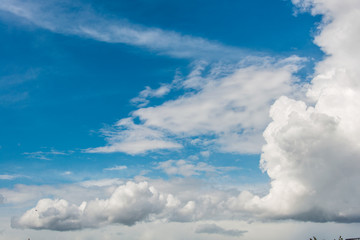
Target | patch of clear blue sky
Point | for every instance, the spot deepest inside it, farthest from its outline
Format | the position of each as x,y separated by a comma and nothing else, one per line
63,88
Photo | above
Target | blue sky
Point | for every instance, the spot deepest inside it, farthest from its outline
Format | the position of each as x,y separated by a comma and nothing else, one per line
236,100
61,89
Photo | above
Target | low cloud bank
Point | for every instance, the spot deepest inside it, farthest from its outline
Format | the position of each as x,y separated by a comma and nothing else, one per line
128,204
215,229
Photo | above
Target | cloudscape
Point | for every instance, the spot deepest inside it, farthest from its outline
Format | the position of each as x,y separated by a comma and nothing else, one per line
179,119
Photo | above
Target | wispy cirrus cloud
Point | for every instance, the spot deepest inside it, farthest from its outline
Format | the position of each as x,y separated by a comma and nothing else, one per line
71,18
10,92
46,155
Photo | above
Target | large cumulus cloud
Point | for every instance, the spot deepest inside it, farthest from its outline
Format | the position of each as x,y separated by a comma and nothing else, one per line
312,150
312,153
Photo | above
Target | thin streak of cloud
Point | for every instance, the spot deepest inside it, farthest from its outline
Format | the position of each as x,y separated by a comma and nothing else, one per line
116,168
45,155
60,17
9,86
101,182
215,229
8,177
9,81
13,97
187,168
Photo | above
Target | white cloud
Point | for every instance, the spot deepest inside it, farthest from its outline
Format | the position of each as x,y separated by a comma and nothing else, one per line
227,109
12,80
205,154
187,168
142,99
127,205
67,173
12,97
184,168
126,136
102,182
60,17
215,229
312,151
49,213
45,155
27,195
8,177
9,86
21,194
280,230
116,168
